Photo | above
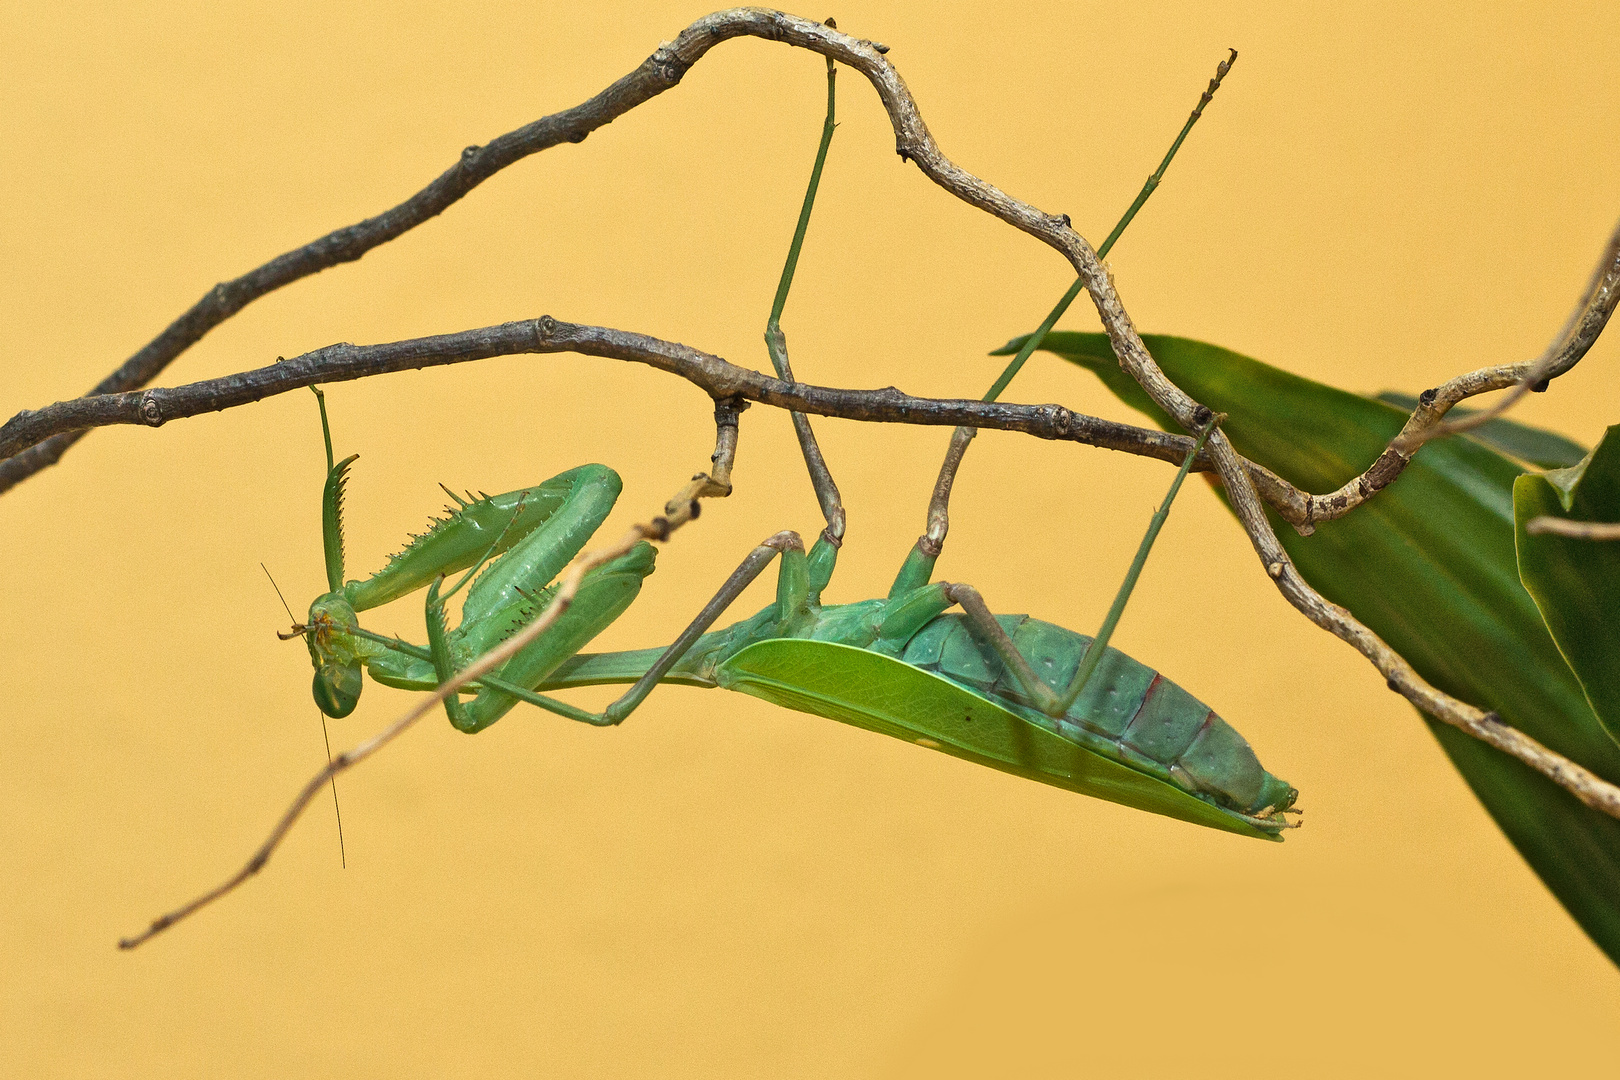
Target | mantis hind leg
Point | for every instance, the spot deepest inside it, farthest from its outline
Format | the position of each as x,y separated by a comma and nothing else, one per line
792,602
910,610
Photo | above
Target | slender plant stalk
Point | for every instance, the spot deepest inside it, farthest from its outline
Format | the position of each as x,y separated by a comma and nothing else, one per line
827,496
1148,188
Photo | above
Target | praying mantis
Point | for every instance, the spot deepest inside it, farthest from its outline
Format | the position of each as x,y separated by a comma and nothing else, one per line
1016,694
974,685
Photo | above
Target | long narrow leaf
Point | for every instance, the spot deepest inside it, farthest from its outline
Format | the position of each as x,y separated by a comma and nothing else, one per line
1429,565
1576,583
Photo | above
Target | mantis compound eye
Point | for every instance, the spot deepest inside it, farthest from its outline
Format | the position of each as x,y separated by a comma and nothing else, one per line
337,689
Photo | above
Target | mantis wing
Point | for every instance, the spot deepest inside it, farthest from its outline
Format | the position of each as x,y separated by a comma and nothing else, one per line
878,693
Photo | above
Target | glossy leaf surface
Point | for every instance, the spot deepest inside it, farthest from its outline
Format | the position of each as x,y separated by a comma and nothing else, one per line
1429,564
1576,583
881,694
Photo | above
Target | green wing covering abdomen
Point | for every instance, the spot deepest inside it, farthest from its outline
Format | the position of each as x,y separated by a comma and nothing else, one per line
882,694
1127,712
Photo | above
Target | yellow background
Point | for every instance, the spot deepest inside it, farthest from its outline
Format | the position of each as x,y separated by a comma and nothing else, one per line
1378,198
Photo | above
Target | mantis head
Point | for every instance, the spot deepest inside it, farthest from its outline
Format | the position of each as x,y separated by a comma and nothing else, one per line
337,669
337,682
1276,794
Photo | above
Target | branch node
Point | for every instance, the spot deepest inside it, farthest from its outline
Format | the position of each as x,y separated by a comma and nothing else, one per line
667,63
151,412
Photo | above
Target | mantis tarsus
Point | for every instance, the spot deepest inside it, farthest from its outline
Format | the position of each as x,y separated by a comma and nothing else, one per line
974,685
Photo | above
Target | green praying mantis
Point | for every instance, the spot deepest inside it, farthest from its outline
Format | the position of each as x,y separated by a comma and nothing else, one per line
1016,694
974,685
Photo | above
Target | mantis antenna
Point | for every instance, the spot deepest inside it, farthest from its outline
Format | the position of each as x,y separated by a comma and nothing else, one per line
343,855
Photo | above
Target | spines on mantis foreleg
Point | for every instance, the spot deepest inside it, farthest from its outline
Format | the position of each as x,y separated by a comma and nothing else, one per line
534,559
337,478
439,649
566,509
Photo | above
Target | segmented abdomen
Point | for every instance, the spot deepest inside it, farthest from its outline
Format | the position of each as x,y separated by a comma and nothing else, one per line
1127,712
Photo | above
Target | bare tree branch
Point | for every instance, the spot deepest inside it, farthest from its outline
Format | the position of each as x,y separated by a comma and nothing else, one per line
659,72
717,377
1399,675
476,164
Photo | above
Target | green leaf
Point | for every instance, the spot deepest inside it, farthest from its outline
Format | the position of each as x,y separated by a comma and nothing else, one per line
1576,583
1429,564
1543,449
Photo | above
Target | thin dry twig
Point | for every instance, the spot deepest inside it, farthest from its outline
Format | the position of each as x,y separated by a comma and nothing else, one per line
1576,530
36,439
720,379
657,73
1565,350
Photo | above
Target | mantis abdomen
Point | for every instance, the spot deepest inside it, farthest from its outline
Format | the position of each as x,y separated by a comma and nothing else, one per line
1127,712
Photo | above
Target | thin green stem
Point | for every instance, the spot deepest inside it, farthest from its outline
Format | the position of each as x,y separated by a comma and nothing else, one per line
1033,342
832,506
792,263
1094,652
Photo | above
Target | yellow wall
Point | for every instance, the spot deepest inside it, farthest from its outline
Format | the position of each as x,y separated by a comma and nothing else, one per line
1378,198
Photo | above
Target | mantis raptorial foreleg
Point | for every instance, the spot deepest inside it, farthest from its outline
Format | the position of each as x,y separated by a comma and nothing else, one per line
535,532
